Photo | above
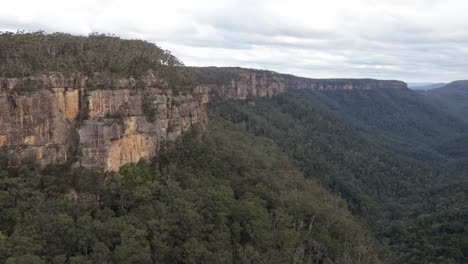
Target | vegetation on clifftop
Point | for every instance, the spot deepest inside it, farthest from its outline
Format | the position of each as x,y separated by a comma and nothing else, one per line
26,53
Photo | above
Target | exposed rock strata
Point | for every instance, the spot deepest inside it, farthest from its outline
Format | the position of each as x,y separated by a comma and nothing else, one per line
253,83
64,120
104,123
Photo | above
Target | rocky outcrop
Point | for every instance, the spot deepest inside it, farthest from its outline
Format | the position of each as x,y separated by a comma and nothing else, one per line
97,123
125,125
243,86
103,123
38,126
247,83
293,82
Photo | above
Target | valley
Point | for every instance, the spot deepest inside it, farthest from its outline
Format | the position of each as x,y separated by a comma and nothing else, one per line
113,151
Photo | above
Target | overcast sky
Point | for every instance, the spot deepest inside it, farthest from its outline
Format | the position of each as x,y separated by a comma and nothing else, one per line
410,40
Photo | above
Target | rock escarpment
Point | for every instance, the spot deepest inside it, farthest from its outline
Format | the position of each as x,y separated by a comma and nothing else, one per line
104,123
342,84
244,83
242,86
96,123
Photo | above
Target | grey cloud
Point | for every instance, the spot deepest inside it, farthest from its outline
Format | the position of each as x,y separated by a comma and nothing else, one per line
247,34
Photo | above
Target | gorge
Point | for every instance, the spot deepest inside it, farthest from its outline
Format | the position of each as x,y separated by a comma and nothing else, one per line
114,151
104,123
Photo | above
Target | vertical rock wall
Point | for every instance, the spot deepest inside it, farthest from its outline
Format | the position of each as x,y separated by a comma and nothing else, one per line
248,84
104,123
66,121
254,83
126,125
38,126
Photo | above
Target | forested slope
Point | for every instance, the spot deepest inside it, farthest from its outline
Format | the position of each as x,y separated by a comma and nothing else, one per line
405,115
452,97
221,196
405,199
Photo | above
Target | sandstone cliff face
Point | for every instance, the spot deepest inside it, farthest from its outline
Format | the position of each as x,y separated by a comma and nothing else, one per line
120,130
246,85
102,129
341,84
38,126
103,123
253,83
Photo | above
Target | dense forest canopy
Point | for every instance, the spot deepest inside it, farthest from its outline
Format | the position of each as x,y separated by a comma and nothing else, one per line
413,199
26,53
452,97
224,196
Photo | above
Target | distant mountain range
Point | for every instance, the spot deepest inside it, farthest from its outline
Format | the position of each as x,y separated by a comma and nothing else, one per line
425,86
452,97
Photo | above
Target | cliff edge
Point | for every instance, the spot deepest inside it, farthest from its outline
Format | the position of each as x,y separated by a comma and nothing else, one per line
96,123
103,123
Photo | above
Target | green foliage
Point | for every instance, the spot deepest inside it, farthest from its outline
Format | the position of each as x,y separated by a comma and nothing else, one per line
223,196
215,75
25,259
452,97
220,75
403,115
24,54
149,107
393,188
456,148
